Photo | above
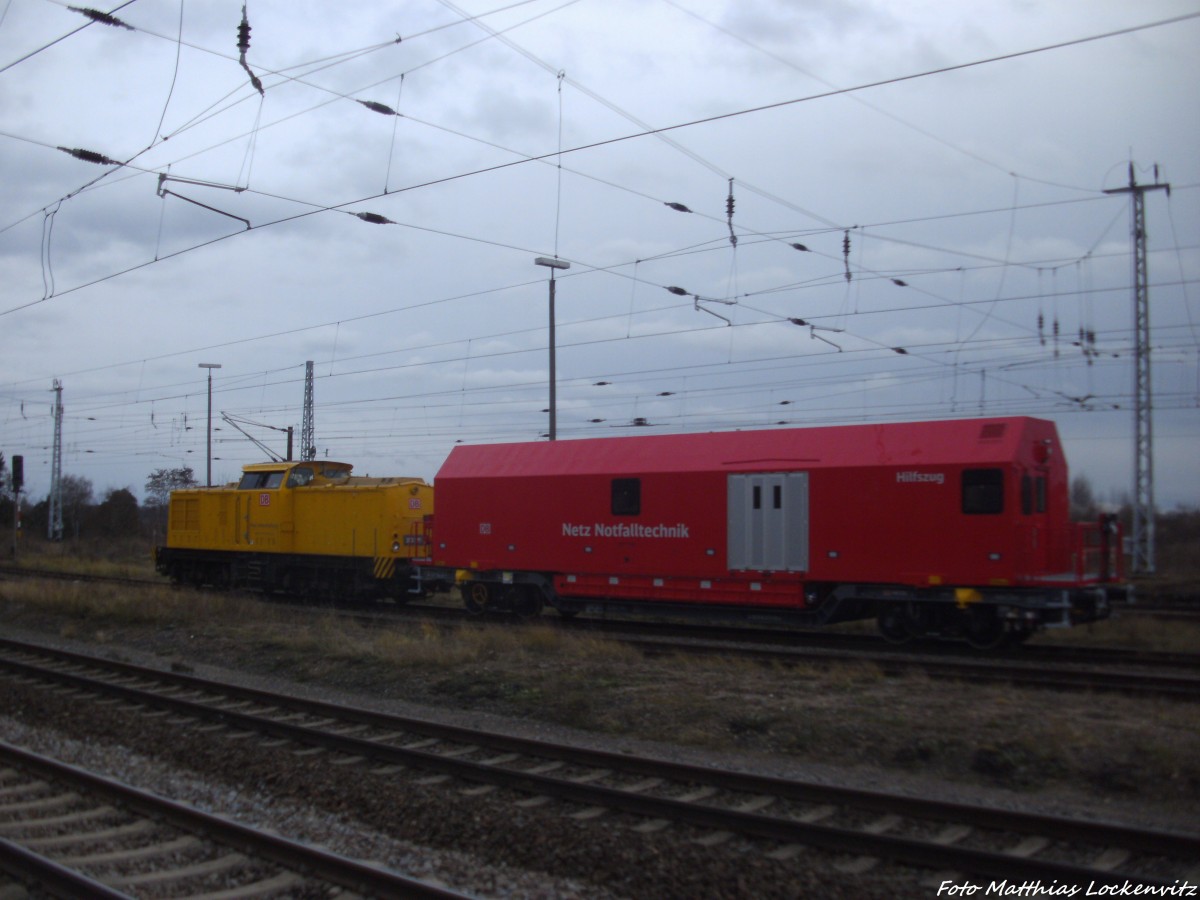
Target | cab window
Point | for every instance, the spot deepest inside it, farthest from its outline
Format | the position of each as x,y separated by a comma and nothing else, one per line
982,491
300,476
255,481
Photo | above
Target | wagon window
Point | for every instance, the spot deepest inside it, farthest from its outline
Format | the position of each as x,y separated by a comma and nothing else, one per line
626,496
983,491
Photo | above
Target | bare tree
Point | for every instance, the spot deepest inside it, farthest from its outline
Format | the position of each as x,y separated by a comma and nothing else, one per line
1083,499
158,492
76,498
162,481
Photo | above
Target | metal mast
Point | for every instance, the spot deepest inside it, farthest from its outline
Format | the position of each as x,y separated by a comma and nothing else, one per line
308,440
54,528
1143,396
210,367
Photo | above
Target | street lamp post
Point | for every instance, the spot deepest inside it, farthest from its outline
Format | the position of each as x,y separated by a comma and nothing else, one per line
210,367
552,264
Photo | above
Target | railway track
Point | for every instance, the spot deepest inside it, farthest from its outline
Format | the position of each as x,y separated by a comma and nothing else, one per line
23,572
781,817
1132,672
1121,679
1182,610
72,833
846,641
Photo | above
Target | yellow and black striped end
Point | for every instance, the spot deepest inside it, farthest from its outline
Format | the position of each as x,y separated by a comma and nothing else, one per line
385,567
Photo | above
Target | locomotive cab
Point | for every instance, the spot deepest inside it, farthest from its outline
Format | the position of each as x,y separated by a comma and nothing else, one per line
308,528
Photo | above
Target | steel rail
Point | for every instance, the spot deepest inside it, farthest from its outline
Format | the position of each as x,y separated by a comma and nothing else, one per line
788,636
710,816
315,862
1035,675
797,647
60,881
875,644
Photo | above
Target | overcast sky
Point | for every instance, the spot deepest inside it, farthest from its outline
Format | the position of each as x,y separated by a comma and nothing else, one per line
944,163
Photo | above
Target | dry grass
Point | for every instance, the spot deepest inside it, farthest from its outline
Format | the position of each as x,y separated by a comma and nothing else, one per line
1130,631
116,605
847,714
109,559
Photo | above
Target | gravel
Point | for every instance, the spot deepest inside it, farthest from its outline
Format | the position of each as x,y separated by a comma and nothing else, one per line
264,808
484,846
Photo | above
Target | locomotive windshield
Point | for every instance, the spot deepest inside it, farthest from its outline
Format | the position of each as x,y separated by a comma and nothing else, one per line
301,475
255,481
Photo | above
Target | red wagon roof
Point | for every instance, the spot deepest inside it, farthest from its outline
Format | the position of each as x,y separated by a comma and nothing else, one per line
955,441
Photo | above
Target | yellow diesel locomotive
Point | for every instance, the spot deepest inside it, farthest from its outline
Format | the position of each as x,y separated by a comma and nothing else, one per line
310,529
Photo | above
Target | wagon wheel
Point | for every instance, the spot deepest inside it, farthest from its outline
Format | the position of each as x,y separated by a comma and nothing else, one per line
983,629
476,596
893,624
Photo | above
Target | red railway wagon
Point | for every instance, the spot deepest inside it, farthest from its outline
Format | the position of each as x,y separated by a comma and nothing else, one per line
952,528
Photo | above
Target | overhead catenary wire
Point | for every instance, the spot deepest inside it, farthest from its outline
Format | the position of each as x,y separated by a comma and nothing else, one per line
58,40
719,117
791,64
1039,263
337,59
376,370
910,307
635,282
620,139
174,74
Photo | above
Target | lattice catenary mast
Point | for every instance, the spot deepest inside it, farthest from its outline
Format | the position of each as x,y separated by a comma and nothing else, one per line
308,441
54,528
1143,396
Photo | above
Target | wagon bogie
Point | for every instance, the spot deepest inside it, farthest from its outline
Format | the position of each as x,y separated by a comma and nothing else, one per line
523,597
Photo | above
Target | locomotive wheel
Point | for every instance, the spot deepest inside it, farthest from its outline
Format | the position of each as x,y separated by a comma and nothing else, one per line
893,624
983,630
476,596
